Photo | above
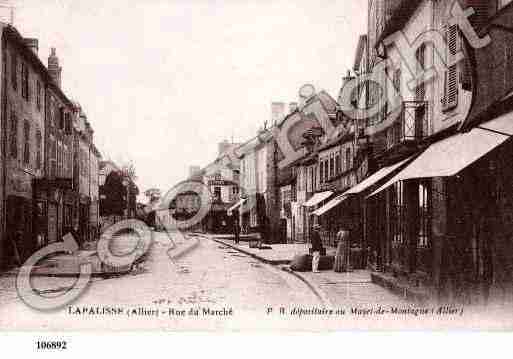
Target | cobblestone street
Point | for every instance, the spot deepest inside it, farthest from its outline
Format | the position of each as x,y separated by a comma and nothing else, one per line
210,276
214,277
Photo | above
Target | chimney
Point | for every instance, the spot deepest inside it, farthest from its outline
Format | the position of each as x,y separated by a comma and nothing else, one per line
347,78
293,106
32,44
277,112
53,67
222,147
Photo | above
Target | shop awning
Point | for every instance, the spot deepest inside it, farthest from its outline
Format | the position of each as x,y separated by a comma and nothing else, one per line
318,198
376,177
450,156
330,205
236,205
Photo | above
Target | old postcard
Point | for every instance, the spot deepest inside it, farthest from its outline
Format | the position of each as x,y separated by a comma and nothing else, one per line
172,165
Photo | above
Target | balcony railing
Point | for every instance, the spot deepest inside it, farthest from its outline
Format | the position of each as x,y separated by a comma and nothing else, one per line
411,124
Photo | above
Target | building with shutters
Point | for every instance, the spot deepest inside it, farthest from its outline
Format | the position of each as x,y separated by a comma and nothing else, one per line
39,201
433,205
55,192
85,179
26,84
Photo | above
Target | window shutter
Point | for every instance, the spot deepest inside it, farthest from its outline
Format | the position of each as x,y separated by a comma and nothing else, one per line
452,86
450,98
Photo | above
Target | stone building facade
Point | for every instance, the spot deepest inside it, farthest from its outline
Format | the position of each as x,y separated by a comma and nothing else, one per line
38,199
441,205
24,89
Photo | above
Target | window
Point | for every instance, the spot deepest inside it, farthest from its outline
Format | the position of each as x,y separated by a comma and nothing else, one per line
332,166
424,215
321,172
338,167
53,157
397,212
26,145
59,158
68,210
39,143
348,159
61,118
217,193
326,171
397,80
67,123
420,55
39,91
14,135
25,88
14,72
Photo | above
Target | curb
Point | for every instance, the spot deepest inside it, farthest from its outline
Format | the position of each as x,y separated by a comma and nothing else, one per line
253,255
313,287
319,293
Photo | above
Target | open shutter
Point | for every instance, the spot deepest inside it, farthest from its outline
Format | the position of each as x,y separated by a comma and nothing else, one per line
451,78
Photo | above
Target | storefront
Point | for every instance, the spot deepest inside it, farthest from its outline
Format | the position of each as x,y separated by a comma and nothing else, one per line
444,221
54,209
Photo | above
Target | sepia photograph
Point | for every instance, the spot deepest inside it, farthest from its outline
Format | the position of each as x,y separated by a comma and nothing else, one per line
255,166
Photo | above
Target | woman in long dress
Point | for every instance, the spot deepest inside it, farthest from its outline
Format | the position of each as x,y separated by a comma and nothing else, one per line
342,255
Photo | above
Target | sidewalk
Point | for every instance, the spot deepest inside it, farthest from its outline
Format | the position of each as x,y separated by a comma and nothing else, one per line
354,288
277,254
350,289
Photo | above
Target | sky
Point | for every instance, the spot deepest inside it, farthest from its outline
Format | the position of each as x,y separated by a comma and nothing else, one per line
163,82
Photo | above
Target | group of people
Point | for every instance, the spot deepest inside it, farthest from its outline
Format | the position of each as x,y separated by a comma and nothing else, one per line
341,263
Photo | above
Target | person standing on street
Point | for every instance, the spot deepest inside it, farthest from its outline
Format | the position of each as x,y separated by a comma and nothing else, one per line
236,230
342,255
316,248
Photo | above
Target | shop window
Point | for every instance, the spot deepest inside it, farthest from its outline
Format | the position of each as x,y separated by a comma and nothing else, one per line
397,212
424,215
68,216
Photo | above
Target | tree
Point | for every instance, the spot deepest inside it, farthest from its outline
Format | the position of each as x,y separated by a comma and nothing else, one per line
113,192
